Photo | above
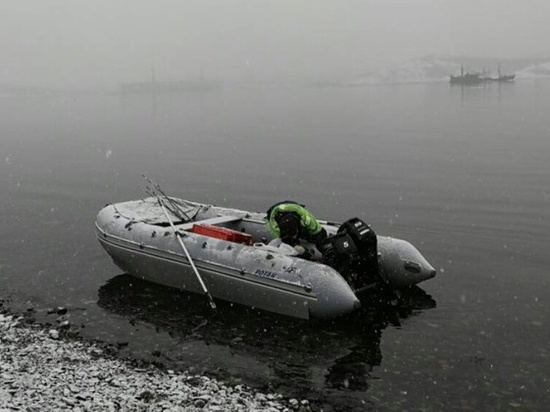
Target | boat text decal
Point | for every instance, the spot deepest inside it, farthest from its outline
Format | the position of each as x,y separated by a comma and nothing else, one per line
265,273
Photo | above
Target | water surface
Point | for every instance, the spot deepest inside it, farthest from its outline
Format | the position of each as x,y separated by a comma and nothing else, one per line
462,173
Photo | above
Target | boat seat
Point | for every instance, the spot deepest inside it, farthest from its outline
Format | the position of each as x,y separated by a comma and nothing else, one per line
212,221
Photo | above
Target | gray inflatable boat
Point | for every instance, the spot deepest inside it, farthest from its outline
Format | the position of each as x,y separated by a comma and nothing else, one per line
239,261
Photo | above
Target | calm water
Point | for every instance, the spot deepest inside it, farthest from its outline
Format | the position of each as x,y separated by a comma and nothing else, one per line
462,173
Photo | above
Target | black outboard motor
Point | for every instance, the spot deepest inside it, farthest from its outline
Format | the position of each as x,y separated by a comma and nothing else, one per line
353,252
364,238
338,249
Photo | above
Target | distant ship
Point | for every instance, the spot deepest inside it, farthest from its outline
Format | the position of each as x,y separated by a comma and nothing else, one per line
477,78
502,78
467,78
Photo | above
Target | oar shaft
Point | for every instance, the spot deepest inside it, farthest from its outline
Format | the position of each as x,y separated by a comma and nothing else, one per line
188,256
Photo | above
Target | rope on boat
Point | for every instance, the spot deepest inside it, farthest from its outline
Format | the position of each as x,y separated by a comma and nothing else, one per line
153,189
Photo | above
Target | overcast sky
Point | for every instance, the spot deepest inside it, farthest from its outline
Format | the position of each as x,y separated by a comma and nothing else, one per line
102,42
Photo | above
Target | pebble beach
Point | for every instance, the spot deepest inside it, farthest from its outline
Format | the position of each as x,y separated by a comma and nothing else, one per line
40,370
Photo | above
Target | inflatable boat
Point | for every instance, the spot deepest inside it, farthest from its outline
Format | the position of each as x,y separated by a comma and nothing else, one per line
231,255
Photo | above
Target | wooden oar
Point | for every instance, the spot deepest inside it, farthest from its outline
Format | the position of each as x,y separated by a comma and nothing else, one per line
208,295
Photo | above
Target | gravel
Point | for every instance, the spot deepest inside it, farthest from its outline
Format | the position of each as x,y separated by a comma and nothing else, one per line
42,371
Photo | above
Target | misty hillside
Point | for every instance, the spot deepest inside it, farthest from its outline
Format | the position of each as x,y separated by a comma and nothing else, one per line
439,68
536,70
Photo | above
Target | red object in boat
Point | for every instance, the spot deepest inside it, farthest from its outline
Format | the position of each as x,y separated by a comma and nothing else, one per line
223,233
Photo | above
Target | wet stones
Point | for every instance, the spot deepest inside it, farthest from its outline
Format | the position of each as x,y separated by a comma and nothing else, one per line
40,370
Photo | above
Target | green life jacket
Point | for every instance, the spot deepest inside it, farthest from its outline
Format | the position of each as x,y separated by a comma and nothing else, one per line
307,220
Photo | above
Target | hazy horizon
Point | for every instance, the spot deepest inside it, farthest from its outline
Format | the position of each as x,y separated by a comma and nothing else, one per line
63,43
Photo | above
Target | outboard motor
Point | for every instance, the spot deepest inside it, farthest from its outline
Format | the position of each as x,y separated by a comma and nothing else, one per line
353,252
365,241
339,249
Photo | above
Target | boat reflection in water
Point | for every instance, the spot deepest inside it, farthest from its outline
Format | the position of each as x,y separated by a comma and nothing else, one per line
317,359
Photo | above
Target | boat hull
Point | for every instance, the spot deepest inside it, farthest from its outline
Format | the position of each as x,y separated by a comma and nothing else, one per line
141,244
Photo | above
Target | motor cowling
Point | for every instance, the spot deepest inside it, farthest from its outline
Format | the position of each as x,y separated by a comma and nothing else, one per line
363,236
338,248
353,252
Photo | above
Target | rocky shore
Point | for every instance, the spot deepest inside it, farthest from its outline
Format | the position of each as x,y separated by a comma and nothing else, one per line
42,371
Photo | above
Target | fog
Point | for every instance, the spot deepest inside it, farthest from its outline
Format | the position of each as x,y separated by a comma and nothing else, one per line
60,43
